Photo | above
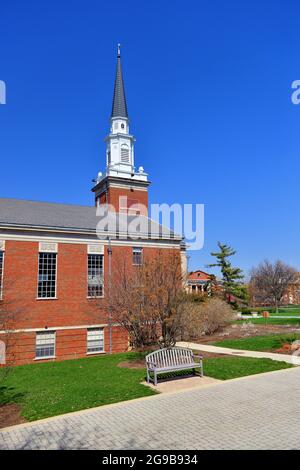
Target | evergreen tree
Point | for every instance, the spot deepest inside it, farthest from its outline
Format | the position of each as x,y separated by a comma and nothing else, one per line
231,276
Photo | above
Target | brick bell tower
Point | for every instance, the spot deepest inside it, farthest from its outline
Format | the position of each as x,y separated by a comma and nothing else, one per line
121,185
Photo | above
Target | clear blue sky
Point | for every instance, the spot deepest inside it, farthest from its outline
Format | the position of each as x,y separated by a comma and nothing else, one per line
208,87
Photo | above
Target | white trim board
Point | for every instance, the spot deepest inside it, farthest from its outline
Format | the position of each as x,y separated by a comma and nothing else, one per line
86,241
57,328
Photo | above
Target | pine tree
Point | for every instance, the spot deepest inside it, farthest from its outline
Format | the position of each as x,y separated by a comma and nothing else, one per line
231,276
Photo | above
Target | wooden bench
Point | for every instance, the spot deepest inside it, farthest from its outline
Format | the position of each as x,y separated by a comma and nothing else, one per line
171,360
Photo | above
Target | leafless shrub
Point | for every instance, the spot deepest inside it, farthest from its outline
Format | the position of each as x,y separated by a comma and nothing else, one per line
204,318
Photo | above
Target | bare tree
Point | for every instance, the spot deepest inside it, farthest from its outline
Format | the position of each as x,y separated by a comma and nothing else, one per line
11,308
269,282
146,299
7,338
127,303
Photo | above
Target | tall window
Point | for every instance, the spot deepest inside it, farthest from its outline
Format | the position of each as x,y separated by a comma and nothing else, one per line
95,340
95,276
1,272
45,344
137,256
47,275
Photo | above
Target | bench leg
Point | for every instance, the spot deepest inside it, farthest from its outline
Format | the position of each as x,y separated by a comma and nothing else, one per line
155,377
148,377
201,369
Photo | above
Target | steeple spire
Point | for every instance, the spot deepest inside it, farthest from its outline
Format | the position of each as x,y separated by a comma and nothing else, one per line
119,108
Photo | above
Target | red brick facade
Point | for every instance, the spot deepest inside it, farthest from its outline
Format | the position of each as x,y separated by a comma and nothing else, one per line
70,313
70,344
137,200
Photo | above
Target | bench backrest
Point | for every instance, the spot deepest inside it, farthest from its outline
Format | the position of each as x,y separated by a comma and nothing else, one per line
171,357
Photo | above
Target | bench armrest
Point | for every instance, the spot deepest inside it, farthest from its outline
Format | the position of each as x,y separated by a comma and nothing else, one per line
198,356
149,363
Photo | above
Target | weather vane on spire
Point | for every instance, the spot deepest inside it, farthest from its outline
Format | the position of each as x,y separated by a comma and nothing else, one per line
119,49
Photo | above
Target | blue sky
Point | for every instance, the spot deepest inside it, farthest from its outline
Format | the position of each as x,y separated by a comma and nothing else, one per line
208,87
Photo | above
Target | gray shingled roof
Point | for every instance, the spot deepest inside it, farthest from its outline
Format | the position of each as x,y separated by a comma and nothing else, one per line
119,107
67,217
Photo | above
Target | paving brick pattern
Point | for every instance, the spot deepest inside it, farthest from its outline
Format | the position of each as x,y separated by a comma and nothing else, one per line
258,412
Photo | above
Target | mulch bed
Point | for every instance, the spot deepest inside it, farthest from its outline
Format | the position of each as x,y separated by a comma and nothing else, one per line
138,364
10,415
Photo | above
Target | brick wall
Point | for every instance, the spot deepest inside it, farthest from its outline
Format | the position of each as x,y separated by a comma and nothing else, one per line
70,344
72,308
133,196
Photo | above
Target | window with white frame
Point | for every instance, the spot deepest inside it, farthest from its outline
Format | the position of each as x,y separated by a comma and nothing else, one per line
137,256
45,344
1,272
95,275
47,275
95,340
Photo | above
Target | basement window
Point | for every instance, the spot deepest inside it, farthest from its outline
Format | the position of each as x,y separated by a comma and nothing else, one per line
95,340
45,344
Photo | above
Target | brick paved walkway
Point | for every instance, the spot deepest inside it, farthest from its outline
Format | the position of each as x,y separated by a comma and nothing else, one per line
255,412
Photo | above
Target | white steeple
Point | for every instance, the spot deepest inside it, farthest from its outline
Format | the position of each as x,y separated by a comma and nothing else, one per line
119,142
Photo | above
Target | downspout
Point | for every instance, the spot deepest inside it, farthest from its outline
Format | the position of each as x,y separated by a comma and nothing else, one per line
109,251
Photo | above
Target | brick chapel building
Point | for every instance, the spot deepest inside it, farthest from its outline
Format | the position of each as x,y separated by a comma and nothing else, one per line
54,267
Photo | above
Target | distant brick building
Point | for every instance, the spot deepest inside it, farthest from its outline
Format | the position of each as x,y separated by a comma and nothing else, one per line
54,268
199,282
292,295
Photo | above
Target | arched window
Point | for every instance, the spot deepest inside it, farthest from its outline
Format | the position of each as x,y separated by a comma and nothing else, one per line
125,154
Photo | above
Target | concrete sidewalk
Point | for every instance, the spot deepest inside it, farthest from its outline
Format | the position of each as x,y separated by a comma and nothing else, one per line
295,360
257,412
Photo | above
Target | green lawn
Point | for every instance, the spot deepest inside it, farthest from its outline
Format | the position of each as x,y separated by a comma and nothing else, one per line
60,387
287,310
258,343
272,321
53,388
233,367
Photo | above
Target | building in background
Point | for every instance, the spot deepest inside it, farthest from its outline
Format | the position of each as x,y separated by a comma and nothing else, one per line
199,282
292,295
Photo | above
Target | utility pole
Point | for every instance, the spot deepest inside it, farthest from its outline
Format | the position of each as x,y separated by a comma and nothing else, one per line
109,251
